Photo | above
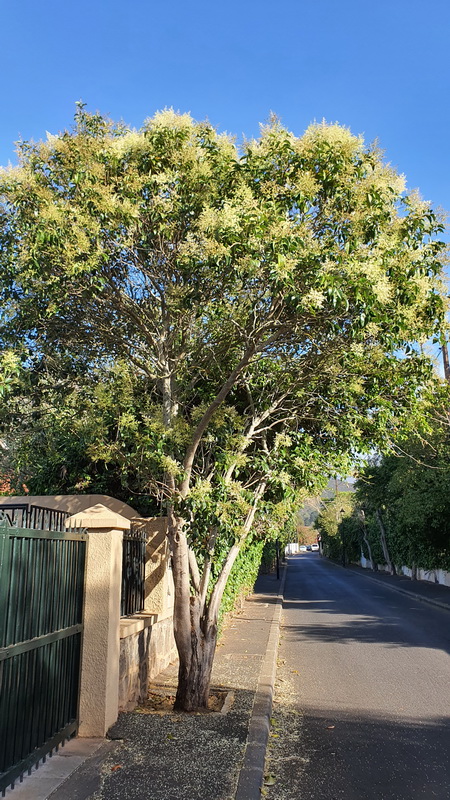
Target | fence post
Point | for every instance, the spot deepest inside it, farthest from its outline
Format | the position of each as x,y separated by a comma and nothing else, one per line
99,690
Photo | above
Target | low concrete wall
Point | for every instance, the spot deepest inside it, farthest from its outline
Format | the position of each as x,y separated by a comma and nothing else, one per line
440,576
147,646
426,575
405,571
443,577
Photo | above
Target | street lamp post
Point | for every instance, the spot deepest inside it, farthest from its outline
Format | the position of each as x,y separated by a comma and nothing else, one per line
342,512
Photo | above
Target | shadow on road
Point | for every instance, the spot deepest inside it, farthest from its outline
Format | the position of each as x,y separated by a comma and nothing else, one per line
353,757
342,606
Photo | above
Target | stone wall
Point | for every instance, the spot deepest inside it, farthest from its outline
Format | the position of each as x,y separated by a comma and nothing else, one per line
147,646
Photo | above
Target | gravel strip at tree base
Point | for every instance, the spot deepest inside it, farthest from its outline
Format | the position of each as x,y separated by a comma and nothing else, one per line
177,756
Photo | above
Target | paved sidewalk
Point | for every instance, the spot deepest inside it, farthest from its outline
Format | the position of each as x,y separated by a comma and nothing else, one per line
428,592
168,756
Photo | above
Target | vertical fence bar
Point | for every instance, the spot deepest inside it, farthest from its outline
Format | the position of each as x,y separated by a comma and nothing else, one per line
5,545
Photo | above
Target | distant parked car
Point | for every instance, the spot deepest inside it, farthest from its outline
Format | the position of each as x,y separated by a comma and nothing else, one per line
303,548
314,547
308,547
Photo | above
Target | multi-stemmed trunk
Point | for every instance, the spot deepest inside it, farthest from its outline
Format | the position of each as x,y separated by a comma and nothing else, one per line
195,627
195,667
196,610
196,614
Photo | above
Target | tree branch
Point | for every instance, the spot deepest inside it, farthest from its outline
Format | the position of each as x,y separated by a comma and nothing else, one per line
217,592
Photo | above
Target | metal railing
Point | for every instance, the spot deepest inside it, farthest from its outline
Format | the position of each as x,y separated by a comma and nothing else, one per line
133,571
41,607
35,517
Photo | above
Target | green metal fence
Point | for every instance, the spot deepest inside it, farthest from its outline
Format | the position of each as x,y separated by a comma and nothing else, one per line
41,612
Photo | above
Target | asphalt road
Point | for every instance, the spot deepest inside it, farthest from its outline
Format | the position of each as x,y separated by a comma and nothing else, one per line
362,704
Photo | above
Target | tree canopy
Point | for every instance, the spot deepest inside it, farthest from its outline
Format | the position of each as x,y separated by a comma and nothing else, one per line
407,493
269,300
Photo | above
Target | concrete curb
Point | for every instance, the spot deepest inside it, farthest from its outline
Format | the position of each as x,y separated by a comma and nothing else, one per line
252,772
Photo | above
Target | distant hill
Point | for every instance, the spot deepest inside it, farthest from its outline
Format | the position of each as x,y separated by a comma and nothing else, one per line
310,511
335,486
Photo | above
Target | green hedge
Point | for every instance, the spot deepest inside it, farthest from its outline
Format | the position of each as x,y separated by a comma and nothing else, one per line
242,577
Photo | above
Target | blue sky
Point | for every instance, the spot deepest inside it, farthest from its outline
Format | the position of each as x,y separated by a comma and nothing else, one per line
378,66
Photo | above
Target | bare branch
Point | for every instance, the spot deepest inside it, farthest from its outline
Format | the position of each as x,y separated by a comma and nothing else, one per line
216,595
193,569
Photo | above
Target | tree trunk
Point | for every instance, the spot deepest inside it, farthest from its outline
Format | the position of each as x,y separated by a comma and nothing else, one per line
365,538
369,549
194,620
194,671
195,647
445,359
383,541
194,630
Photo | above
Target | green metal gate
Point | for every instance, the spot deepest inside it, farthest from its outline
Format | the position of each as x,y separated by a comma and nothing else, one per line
41,613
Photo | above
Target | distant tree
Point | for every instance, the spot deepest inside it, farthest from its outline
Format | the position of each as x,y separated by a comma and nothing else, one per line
271,298
406,498
306,534
338,528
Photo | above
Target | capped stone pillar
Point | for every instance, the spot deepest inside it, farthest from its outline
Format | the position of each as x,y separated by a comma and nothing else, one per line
99,690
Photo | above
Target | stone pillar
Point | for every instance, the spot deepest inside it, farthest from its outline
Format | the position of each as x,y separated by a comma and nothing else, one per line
99,692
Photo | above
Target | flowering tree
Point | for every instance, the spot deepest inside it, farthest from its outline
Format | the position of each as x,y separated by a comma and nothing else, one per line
270,298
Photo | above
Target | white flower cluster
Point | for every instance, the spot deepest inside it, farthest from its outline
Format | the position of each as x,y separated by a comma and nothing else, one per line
313,299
